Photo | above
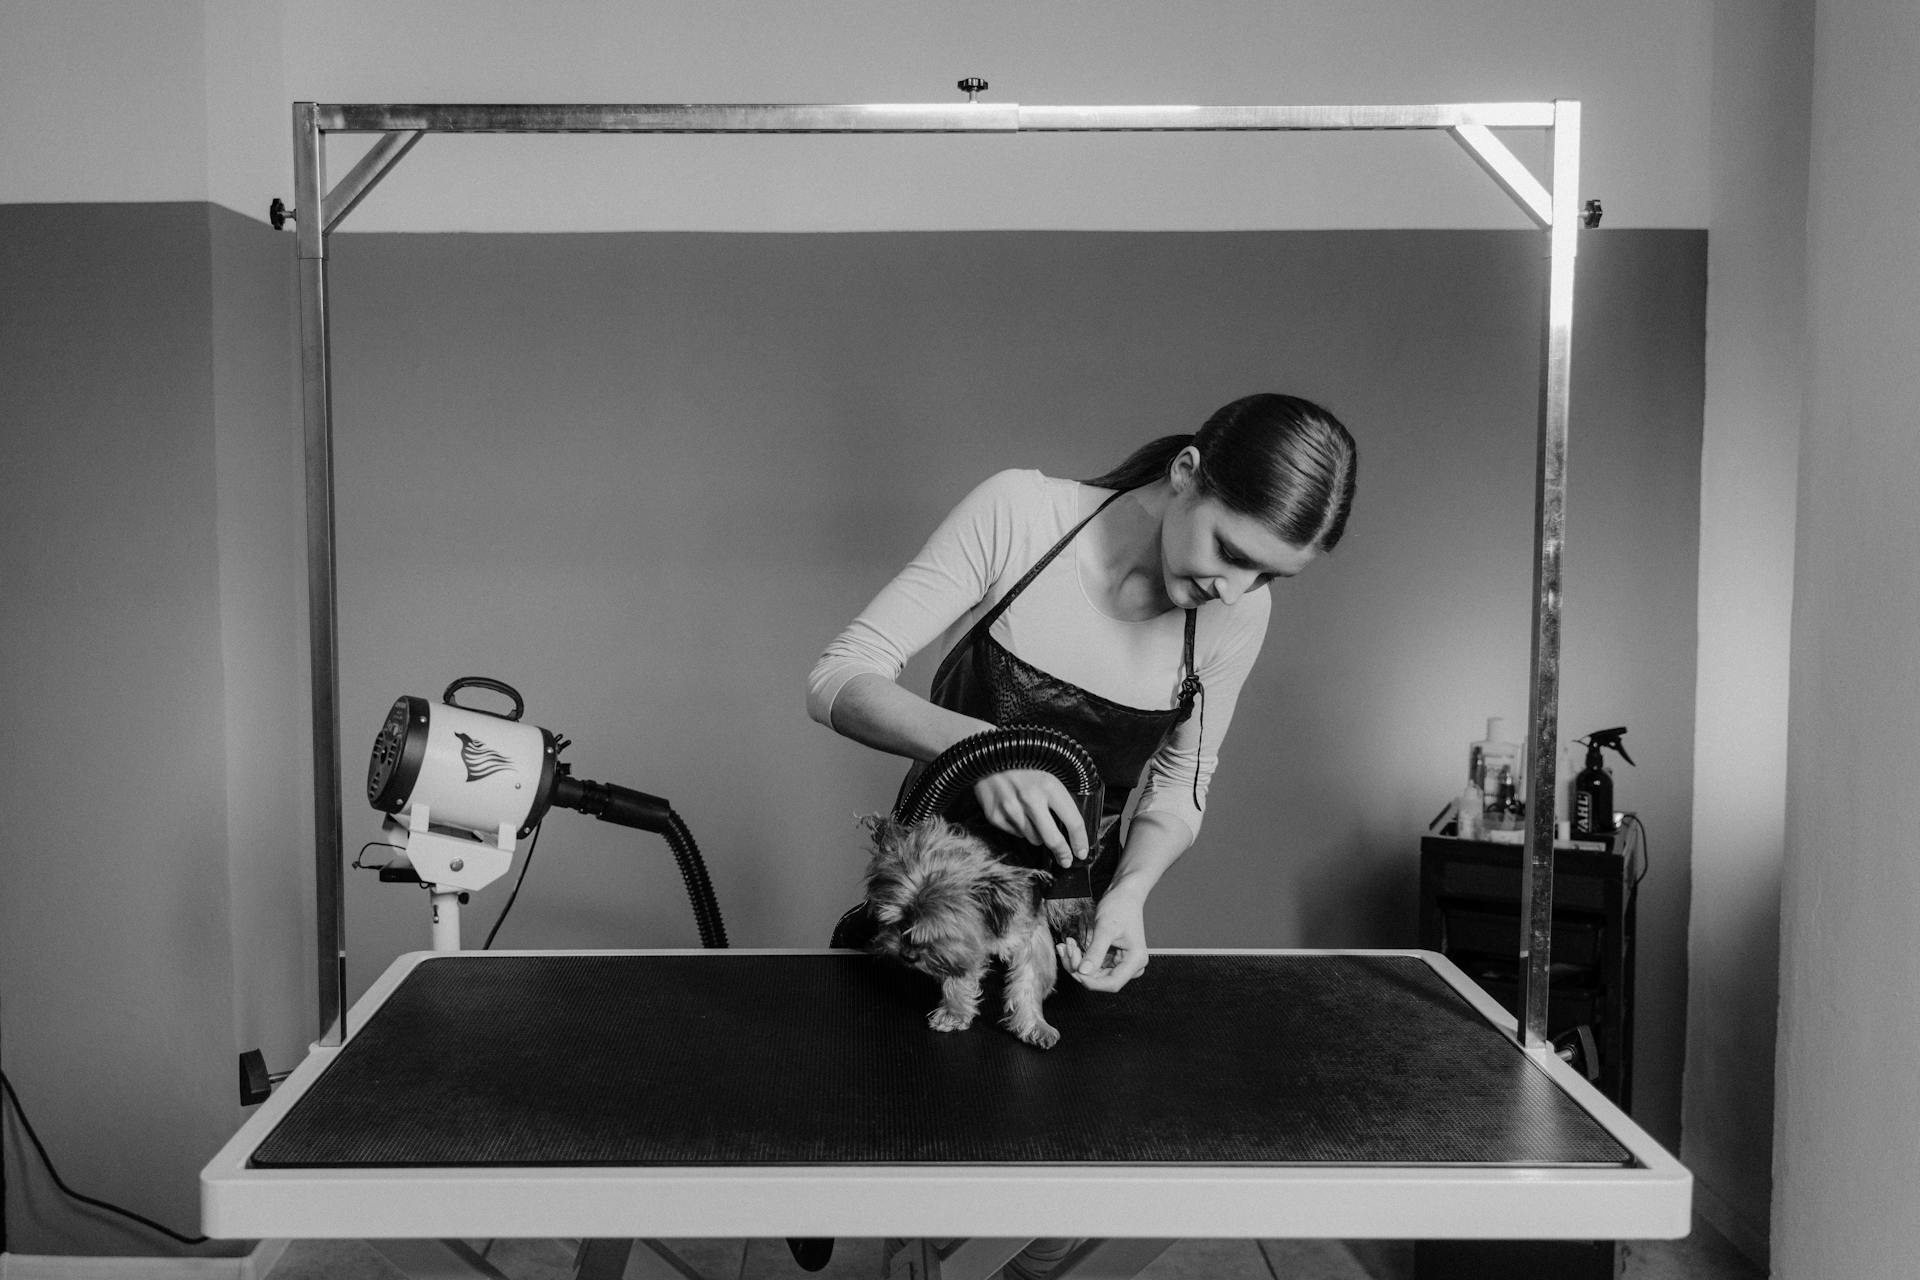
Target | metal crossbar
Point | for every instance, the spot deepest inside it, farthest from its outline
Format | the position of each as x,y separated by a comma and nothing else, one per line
1553,206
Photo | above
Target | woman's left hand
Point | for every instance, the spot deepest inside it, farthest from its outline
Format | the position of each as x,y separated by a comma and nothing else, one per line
1116,951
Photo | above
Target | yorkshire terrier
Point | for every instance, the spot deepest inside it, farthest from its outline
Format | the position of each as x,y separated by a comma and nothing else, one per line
945,905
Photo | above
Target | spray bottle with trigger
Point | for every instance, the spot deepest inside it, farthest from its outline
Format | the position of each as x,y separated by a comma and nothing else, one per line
1593,787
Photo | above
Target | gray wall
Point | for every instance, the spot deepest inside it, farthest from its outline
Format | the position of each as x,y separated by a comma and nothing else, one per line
645,478
1847,1144
259,473
1756,337
150,908
117,100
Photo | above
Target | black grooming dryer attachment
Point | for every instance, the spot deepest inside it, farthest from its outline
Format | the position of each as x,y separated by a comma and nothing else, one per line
944,789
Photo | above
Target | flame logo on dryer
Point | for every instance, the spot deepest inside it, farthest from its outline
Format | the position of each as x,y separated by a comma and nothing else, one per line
482,761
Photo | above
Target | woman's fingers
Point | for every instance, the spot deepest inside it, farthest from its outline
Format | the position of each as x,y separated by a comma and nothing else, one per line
1036,806
1116,951
1064,817
1100,958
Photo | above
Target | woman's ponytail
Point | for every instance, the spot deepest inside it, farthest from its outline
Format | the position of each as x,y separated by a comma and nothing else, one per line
1144,465
1277,458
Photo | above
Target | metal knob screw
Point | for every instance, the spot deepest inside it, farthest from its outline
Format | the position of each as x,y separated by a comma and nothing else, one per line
972,85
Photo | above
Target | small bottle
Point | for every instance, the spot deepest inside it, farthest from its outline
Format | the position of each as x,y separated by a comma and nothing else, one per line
1468,825
1563,796
1491,754
1503,821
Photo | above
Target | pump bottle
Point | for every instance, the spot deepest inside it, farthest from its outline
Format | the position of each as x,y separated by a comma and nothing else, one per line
1593,788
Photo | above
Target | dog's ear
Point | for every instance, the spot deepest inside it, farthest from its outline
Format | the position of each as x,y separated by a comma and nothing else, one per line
1004,895
889,839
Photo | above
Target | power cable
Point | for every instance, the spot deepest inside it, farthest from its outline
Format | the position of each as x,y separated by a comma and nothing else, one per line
27,1125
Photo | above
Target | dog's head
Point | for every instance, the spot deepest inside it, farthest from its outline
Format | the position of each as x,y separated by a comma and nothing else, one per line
940,899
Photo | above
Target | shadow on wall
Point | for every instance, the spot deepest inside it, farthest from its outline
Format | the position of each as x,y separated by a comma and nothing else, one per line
646,478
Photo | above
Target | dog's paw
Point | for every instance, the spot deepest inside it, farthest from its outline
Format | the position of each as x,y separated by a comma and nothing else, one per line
1041,1035
944,1019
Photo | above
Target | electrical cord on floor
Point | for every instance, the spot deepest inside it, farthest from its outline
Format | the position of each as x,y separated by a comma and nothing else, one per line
27,1125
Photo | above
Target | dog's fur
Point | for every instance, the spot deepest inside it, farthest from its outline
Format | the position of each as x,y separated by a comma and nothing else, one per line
946,906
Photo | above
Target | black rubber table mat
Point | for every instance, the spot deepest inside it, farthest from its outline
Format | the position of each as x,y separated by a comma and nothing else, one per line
732,1059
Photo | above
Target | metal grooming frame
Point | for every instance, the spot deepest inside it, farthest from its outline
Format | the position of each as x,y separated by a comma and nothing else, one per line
1554,208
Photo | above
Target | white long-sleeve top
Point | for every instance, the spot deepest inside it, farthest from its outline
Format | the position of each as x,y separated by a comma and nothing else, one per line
977,555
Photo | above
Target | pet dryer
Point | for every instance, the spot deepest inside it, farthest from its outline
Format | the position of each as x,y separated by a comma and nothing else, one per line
460,787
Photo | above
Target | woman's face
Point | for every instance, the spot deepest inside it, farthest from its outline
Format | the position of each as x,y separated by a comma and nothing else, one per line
1210,552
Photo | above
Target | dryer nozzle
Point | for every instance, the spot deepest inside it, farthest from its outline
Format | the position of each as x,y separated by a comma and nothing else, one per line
621,806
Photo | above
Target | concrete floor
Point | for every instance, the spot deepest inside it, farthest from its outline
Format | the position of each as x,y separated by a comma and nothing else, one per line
1702,1256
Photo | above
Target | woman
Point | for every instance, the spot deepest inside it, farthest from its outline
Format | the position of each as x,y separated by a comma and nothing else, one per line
1126,611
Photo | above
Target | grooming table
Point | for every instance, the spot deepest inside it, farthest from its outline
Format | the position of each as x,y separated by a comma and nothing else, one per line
623,1095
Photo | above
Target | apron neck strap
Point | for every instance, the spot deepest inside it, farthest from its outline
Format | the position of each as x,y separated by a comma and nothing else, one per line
993,614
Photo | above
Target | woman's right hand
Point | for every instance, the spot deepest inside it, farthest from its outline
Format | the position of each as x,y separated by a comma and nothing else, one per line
1036,806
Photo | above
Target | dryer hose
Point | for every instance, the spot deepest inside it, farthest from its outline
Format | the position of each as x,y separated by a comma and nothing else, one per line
1022,746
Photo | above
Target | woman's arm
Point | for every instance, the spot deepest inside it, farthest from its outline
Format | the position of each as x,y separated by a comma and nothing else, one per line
1167,817
1154,843
853,689
953,574
1030,803
876,712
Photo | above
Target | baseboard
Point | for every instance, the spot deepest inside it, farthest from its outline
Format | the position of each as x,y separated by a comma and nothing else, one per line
1749,1238
250,1266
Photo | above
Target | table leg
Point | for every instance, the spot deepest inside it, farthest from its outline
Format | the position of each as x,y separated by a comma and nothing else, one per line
1110,1259
982,1258
436,1260
975,1259
601,1259
630,1260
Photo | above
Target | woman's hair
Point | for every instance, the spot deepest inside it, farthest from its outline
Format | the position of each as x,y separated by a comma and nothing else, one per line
1280,459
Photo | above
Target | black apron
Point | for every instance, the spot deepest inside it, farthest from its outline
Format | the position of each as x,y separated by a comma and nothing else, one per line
983,679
